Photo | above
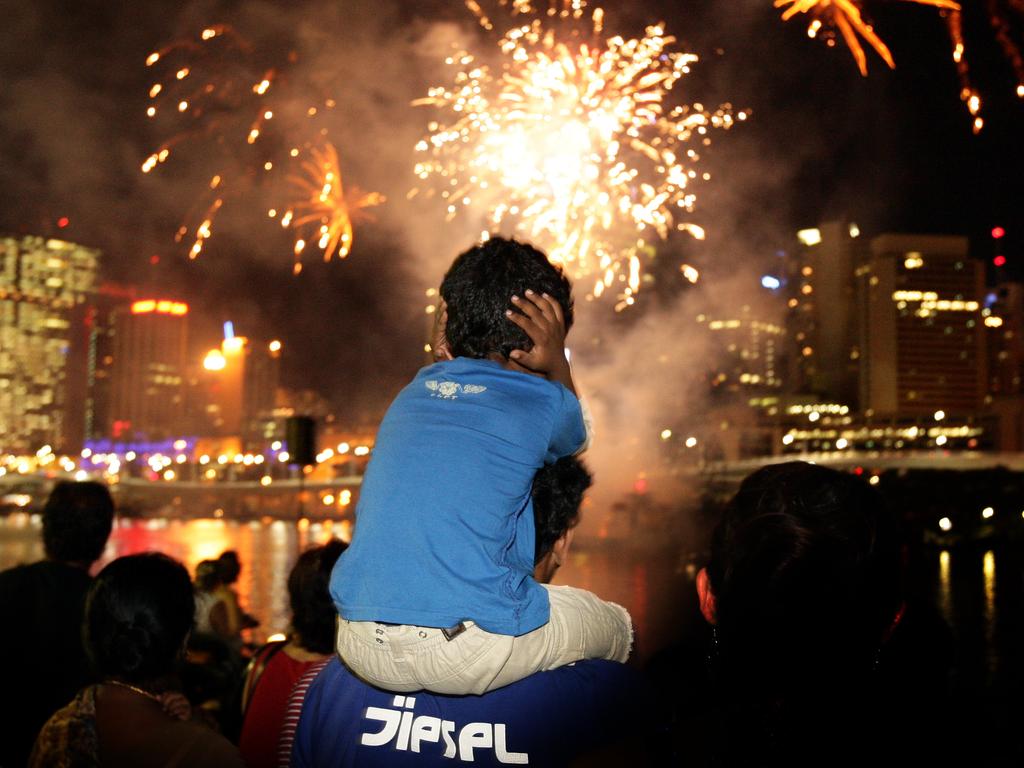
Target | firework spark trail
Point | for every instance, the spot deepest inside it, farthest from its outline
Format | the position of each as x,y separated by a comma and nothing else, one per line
1000,13
571,139
221,95
845,15
324,204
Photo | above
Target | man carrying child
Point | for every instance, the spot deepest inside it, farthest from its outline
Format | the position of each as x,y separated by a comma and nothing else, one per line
436,590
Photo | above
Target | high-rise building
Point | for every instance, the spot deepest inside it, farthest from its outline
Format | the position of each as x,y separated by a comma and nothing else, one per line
823,311
148,372
890,340
1004,327
923,329
100,317
749,349
262,379
1004,330
43,285
237,389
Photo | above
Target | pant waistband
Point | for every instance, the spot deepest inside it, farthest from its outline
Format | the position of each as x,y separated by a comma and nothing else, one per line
450,633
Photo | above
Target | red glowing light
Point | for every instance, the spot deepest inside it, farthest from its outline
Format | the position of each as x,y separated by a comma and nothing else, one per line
999,260
640,486
998,232
63,221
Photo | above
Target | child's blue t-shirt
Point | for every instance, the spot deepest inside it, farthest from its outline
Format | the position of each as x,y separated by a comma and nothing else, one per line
444,524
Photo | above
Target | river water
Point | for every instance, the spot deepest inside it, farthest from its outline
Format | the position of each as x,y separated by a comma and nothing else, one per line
978,590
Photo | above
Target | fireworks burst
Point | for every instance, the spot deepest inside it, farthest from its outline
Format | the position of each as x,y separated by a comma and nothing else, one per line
325,205
216,97
827,16
1000,14
570,139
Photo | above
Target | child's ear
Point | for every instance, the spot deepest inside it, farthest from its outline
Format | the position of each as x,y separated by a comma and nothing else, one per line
438,340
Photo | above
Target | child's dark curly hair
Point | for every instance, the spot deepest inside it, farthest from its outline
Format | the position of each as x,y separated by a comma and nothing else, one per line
479,286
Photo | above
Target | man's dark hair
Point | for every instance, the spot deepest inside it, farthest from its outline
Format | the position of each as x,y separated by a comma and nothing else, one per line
313,611
806,573
479,287
77,519
557,494
137,615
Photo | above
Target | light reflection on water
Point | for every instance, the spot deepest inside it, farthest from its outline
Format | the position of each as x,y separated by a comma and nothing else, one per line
989,569
267,550
945,596
656,586
653,589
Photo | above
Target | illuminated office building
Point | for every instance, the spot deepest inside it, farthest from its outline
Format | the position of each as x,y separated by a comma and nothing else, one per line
262,380
748,351
100,317
822,303
1003,314
240,381
43,285
147,385
923,328
1004,325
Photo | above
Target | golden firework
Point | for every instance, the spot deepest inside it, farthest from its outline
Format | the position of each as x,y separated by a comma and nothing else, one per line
1000,13
845,16
219,99
569,138
324,205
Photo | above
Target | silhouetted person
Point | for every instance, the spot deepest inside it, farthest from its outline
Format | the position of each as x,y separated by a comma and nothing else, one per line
211,608
42,605
229,567
810,631
137,616
278,665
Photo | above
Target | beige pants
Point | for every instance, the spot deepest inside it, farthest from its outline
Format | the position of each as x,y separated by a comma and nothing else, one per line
408,658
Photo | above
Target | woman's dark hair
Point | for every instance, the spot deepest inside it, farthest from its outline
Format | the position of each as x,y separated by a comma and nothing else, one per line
805,570
77,519
479,286
557,494
313,611
137,615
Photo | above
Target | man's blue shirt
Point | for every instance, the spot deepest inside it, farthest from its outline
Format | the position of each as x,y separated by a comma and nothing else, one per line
444,525
547,719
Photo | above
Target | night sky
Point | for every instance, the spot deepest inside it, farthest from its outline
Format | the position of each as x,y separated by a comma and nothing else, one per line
893,152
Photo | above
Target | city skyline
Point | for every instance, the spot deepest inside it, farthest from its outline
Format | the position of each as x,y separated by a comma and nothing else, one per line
856,341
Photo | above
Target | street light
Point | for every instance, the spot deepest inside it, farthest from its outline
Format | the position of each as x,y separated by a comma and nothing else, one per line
214,360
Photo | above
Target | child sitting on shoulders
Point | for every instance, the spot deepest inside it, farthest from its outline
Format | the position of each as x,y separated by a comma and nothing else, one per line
435,591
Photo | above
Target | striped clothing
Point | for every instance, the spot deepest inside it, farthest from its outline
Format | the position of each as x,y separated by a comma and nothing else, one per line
292,712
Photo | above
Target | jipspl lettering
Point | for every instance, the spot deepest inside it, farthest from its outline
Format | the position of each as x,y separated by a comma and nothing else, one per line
403,730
